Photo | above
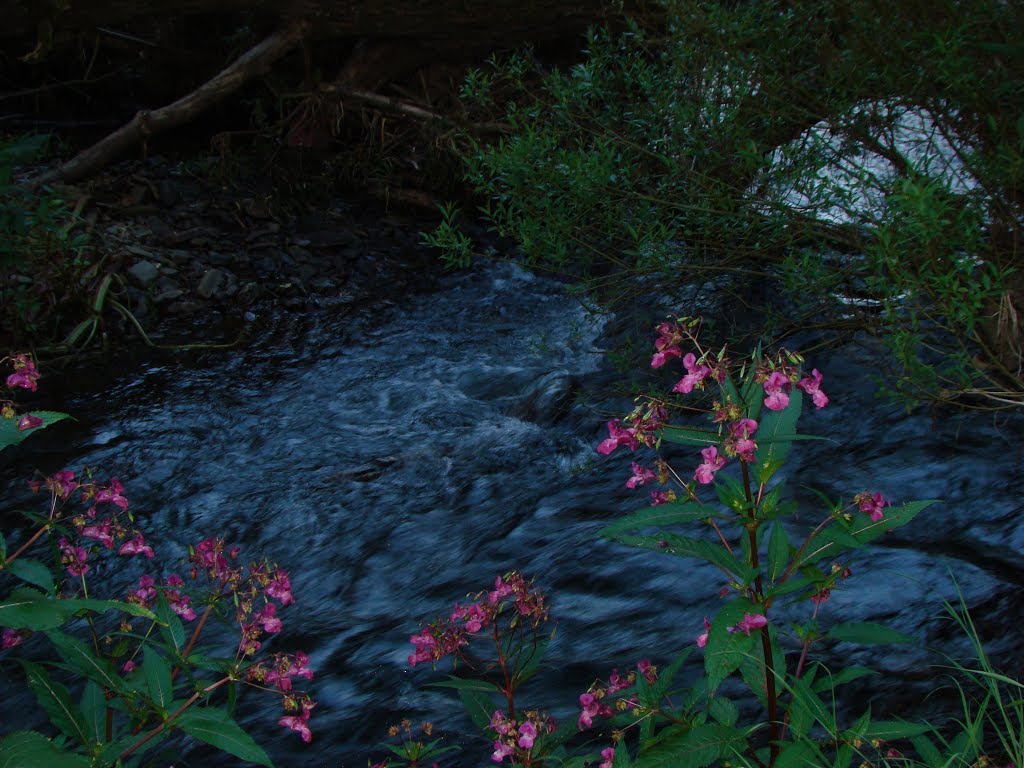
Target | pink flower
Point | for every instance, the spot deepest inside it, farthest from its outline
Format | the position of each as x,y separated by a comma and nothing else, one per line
12,637
618,436
62,483
300,723
750,621
136,546
648,670
145,593
640,476
811,385
28,421
501,750
281,588
527,735
25,374
128,666
705,473
100,533
591,708
267,619
73,558
667,344
702,639
872,504
695,375
608,757
112,494
776,387
499,723
501,589
662,497
179,603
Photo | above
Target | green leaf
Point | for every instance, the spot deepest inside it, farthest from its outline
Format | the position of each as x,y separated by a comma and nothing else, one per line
671,544
621,759
467,684
529,660
29,609
214,727
887,730
701,746
26,749
723,711
753,669
661,516
725,650
55,700
867,633
690,436
171,628
33,571
807,700
478,705
9,434
775,434
778,551
94,712
799,754
927,750
827,543
829,682
79,657
157,673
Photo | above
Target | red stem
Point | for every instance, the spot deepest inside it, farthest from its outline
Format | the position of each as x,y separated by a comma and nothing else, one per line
166,723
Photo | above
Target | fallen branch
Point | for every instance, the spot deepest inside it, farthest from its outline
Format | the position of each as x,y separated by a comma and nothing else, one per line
405,108
147,122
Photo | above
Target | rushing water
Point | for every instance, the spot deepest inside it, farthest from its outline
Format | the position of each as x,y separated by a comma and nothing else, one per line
396,458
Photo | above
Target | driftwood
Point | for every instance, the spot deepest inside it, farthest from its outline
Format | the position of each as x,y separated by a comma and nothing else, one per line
147,122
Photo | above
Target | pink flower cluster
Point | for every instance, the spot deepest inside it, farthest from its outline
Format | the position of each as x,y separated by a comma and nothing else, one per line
25,376
298,722
518,737
647,420
593,702
444,637
779,383
871,504
145,595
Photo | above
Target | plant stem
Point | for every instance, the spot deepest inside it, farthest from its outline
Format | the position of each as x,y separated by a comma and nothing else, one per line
771,695
192,640
166,723
26,545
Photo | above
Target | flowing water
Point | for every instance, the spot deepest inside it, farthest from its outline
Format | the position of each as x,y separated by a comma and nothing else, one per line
398,457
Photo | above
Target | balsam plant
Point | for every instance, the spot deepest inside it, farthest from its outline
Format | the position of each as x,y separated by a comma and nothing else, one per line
124,673
775,575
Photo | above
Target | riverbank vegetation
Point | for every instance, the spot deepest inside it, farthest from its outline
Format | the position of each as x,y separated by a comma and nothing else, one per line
840,166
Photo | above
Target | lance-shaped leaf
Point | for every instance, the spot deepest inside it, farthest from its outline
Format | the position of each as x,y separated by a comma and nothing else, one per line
774,437
671,544
33,571
55,700
213,726
868,633
157,673
832,540
27,749
94,712
81,658
27,608
778,551
9,434
690,436
695,748
725,650
661,517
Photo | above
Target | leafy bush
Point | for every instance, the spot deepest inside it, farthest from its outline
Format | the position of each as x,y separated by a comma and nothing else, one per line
850,165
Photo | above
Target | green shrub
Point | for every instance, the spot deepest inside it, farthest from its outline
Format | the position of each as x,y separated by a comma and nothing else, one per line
863,161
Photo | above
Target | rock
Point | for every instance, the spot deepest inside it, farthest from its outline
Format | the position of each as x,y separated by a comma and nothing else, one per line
167,296
144,273
212,283
219,259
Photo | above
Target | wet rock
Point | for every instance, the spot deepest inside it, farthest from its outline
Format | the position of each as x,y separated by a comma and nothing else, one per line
219,259
213,284
144,273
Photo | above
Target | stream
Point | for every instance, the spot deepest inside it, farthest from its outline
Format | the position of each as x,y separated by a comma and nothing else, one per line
399,456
